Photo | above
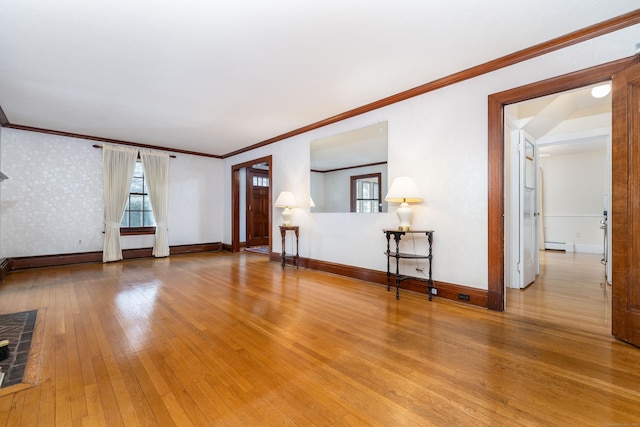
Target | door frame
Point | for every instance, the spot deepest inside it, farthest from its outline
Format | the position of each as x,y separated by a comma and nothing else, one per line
496,153
249,211
235,201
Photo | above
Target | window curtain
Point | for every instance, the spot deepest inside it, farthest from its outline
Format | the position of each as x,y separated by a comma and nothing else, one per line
118,164
156,174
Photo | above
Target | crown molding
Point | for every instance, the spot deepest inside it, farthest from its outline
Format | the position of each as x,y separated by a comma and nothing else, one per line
107,140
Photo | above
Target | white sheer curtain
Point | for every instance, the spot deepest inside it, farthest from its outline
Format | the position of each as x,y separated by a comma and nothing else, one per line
156,175
117,172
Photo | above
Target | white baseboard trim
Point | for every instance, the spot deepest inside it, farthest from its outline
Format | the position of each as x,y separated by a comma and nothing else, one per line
559,246
574,247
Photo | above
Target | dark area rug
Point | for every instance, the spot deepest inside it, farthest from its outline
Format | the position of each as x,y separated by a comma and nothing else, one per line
18,328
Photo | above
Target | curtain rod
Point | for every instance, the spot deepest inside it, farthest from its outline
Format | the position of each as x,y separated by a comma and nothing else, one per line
100,146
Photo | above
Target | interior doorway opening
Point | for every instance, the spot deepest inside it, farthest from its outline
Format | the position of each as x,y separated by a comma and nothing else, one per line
559,147
251,204
496,154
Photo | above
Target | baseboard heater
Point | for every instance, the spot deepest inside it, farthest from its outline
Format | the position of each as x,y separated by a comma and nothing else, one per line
560,246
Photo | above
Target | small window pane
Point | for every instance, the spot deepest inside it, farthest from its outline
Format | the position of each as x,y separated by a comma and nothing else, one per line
147,203
135,202
149,221
135,219
125,220
137,185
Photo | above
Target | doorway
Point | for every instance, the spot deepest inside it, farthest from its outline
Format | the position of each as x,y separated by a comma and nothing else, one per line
242,199
625,74
496,155
559,147
257,205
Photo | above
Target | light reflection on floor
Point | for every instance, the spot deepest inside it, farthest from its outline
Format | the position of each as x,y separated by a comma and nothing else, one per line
135,307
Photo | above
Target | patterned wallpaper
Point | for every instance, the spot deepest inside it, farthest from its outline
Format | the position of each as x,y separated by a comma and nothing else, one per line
52,202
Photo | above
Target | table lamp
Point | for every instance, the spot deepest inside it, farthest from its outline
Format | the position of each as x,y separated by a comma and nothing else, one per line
286,200
404,190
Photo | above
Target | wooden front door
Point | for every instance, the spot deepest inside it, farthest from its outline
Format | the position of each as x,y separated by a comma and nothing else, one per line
626,205
257,207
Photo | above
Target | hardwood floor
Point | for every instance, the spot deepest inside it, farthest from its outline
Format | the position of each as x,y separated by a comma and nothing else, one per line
232,339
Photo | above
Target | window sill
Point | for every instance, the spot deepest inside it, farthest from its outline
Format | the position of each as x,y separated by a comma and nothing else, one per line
133,231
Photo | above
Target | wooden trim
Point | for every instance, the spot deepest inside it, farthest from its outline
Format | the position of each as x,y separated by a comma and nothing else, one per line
235,200
134,231
561,42
496,154
349,167
354,189
40,261
107,140
4,121
22,263
477,297
196,248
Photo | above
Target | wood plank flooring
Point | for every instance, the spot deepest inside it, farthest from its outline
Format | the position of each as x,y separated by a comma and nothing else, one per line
231,339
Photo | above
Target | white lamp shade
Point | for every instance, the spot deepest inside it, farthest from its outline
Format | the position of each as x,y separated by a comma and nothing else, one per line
404,189
285,200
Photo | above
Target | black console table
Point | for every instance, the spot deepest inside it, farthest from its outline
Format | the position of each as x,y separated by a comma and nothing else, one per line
283,234
397,235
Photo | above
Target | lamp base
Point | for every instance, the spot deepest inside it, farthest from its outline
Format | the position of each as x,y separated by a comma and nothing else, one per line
286,217
404,215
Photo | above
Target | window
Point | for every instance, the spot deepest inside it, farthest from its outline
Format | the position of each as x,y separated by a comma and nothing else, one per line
365,193
138,215
260,181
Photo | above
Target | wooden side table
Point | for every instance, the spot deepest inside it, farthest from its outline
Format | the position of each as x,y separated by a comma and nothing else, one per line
283,233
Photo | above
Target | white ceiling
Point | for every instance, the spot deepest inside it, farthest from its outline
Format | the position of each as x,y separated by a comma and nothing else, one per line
217,76
566,123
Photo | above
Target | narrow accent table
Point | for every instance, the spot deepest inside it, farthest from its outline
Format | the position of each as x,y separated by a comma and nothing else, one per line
397,235
283,233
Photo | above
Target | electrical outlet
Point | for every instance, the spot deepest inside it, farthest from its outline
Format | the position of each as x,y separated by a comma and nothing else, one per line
79,242
434,291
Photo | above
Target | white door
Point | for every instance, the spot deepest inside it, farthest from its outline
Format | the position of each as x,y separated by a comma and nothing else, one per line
528,210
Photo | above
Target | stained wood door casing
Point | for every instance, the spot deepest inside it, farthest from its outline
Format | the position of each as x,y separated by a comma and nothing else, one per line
625,208
496,211
257,209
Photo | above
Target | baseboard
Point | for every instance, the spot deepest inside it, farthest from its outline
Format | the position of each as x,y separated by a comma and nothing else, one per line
40,261
477,297
195,248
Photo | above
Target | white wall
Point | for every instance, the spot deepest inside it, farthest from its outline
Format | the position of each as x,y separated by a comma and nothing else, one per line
53,201
440,139
574,189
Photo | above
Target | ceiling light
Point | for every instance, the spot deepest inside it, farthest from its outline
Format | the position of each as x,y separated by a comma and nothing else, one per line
601,91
